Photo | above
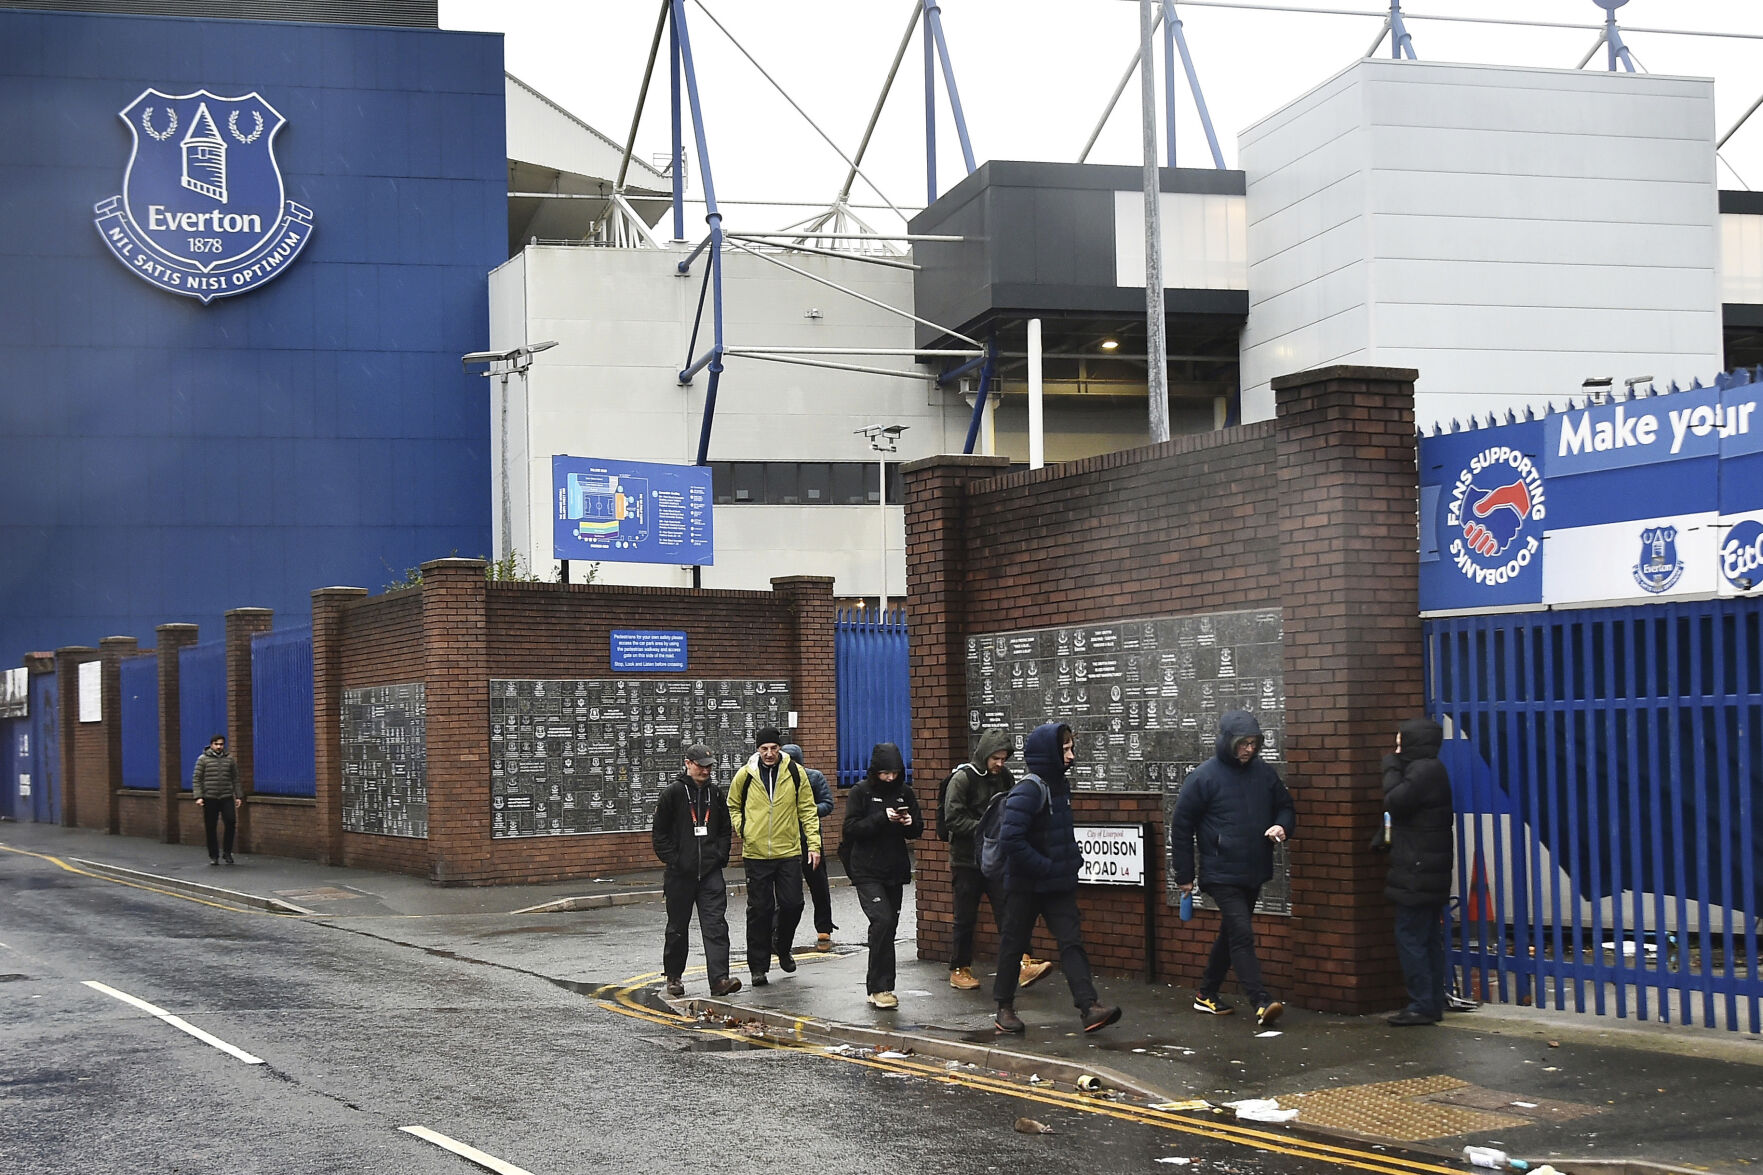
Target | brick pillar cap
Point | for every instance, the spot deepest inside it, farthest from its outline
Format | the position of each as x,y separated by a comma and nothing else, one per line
454,564
250,612
115,640
801,581
73,649
339,591
174,629
956,460
1316,375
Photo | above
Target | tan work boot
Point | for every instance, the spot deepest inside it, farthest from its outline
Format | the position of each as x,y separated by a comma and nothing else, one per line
961,979
1032,969
823,942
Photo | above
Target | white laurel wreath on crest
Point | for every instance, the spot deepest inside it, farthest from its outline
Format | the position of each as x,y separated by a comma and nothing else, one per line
147,124
232,124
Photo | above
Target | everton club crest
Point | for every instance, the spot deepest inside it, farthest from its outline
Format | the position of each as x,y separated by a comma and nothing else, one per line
1659,566
202,211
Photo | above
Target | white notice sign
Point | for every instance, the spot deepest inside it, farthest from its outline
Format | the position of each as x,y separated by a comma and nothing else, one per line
91,691
1114,854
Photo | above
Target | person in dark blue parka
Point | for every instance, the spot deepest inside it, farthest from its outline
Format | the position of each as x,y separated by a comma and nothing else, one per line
1237,808
1039,842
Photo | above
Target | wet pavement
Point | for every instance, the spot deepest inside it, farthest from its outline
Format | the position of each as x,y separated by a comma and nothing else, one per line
1574,1090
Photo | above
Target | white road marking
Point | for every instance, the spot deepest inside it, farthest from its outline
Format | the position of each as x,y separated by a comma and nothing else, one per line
469,1153
175,1021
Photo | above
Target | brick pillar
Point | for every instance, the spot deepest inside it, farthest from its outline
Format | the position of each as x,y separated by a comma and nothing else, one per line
936,576
456,675
113,651
328,605
814,679
67,683
241,625
1348,501
170,638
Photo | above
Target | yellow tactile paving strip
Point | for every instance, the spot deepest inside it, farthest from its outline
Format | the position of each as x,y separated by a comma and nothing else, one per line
1422,1108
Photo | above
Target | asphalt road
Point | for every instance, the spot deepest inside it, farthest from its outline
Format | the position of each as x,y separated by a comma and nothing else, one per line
506,1033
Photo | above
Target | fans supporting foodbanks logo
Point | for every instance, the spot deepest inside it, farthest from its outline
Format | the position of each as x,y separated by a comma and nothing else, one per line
1492,502
1660,565
1741,555
202,210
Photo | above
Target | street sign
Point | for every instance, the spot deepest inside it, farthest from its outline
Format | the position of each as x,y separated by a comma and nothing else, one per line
1113,854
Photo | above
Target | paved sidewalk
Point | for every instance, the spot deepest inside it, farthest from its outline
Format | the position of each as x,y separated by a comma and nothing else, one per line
1545,1086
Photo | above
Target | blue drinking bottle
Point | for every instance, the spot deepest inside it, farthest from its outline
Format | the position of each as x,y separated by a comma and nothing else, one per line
1187,905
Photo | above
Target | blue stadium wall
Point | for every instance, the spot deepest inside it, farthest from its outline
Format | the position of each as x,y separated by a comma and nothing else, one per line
164,460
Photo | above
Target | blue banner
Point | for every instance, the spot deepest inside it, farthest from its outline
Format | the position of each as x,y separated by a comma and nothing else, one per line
631,512
1488,505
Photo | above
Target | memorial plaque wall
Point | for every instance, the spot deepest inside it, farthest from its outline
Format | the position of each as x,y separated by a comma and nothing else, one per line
385,760
579,756
1142,697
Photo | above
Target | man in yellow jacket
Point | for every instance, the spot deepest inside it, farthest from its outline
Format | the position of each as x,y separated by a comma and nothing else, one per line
772,807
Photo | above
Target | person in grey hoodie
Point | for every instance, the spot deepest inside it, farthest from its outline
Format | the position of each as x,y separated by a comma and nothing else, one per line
819,888
1237,807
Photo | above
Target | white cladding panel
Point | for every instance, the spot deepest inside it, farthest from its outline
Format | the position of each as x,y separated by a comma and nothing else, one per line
1741,258
623,320
1509,232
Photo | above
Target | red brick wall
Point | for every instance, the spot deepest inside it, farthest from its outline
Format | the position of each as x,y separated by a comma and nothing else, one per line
283,826
137,813
85,749
1314,513
457,632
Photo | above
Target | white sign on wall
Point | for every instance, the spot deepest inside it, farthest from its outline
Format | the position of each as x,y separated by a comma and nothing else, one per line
1113,854
24,784
15,693
91,691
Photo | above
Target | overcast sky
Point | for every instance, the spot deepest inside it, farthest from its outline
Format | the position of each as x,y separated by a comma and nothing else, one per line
1035,75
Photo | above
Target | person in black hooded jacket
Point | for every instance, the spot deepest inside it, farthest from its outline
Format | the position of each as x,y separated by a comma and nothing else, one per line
881,815
1422,840
1237,807
1040,844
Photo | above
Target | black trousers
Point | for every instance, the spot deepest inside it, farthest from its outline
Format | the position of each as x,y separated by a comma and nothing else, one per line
227,811
710,896
821,891
1064,923
970,886
881,905
1235,945
1420,946
774,907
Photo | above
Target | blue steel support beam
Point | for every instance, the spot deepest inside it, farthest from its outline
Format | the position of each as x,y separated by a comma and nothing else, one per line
930,111
979,401
934,14
1401,44
1187,61
713,217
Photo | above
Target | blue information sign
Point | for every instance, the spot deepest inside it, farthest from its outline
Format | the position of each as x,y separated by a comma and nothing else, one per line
644,650
631,512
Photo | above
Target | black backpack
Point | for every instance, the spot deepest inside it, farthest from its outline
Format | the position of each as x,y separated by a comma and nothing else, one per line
988,848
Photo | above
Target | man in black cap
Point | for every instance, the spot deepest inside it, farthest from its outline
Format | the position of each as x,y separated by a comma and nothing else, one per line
771,806
692,837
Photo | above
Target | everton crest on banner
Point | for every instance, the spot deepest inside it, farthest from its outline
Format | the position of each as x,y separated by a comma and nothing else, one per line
202,211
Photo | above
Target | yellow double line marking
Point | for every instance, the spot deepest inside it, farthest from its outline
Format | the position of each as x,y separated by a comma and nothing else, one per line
170,893
622,1000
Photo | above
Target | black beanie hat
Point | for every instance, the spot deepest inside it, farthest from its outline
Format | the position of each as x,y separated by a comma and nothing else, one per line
767,734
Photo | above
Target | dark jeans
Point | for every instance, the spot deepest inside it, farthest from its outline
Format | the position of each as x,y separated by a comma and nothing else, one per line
1064,923
822,893
1235,945
881,904
224,810
710,896
1420,945
970,886
774,907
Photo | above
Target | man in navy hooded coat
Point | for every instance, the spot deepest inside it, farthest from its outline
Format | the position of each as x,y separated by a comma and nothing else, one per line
1237,807
1040,843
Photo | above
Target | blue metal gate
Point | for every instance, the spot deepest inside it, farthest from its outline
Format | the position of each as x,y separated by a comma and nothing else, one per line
139,678
40,788
875,693
15,760
1605,764
201,702
281,708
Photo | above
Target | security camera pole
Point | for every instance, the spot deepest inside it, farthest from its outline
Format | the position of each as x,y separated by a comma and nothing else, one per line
1156,346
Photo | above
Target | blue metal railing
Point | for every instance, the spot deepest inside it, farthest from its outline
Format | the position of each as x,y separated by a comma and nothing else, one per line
201,702
281,707
875,695
1605,764
140,723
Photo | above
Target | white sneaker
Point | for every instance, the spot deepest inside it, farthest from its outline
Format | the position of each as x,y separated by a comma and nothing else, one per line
884,999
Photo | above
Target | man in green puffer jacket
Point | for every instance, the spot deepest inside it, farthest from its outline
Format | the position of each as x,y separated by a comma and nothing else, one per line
215,782
772,808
